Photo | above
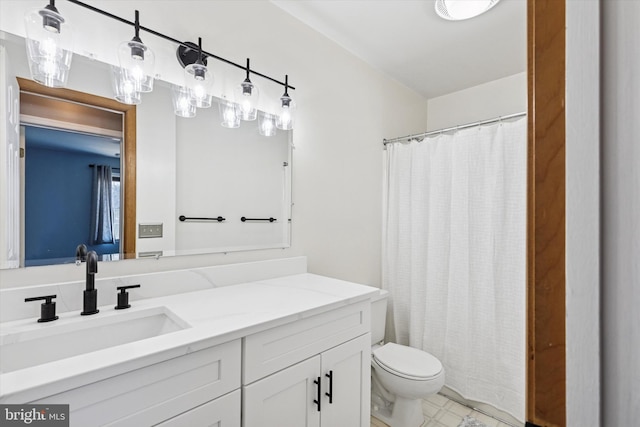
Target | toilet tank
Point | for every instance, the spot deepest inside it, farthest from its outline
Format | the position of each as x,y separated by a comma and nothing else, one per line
378,316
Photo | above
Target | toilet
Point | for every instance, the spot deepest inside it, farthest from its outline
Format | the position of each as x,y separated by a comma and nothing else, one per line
401,376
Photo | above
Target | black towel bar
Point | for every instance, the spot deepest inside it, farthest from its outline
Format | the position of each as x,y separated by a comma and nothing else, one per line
189,218
244,219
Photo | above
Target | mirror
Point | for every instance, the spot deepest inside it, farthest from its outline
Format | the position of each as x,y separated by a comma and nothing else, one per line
62,170
190,168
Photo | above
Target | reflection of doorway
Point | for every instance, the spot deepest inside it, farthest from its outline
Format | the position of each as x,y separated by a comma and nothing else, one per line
60,197
86,113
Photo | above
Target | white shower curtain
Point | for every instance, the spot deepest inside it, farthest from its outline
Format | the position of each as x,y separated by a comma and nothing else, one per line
454,256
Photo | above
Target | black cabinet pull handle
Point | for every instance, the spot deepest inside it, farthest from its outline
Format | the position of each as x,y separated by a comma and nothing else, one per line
330,393
319,384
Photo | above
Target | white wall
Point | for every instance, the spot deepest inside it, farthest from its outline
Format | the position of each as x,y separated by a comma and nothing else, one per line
582,213
345,110
489,100
620,212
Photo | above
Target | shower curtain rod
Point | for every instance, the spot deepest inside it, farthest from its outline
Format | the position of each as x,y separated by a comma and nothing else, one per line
468,125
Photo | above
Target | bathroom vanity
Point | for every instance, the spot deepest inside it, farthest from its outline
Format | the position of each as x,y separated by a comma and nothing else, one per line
285,351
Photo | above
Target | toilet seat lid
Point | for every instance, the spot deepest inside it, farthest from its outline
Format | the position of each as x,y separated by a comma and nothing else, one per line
408,361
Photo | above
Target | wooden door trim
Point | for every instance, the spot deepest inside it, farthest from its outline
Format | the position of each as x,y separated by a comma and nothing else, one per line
546,349
128,241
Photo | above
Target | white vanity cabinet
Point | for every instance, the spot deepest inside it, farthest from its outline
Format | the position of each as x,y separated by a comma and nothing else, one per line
310,373
287,352
190,387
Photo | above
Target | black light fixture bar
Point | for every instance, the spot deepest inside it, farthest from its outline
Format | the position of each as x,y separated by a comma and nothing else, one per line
171,39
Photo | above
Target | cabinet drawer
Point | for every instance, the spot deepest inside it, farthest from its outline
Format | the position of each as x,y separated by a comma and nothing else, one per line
222,412
272,350
155,393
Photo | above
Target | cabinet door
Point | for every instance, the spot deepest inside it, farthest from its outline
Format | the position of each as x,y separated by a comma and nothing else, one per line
284,399
346,371
221,412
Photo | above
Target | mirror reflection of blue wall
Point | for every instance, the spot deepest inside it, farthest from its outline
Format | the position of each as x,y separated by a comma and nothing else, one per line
58,192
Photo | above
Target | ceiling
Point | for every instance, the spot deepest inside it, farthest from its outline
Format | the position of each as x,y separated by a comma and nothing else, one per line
406,40
61,140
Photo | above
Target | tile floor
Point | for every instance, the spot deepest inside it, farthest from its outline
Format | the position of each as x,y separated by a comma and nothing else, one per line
441,412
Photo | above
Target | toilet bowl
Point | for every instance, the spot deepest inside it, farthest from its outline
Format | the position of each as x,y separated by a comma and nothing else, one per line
401,376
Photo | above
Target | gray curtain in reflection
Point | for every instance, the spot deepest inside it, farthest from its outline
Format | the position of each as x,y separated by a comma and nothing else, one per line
101,209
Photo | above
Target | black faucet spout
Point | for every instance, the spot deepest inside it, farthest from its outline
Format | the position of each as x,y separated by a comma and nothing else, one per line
90,295
92,269
81,253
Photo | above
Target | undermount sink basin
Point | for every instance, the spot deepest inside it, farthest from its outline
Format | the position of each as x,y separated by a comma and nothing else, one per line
47,342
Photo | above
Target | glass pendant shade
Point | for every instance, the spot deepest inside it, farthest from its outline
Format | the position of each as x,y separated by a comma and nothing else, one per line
199,81
246,96
267,125
286,116
125,90
229,114
49,46
138,62
182,105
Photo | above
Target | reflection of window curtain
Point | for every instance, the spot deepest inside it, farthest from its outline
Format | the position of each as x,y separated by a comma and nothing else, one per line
101,209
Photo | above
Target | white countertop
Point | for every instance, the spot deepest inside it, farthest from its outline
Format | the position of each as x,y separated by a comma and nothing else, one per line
215,316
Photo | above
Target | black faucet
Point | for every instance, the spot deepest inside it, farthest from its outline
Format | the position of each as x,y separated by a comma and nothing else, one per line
91,293
81,253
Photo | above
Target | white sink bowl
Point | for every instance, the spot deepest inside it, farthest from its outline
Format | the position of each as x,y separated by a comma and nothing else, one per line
40,343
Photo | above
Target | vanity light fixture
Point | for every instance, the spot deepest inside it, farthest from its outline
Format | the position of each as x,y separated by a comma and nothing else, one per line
229,113
182,105
267,126
125,90
286,117
137,60
458,10
199,80
49,48
247,95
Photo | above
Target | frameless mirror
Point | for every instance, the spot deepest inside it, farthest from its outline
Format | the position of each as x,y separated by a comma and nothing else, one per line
199,187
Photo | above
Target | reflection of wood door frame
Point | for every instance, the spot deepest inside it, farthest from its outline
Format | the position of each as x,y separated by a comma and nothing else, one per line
128,240
546,298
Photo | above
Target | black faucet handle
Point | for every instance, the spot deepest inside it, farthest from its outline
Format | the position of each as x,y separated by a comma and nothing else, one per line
47,308
124,288
123,297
